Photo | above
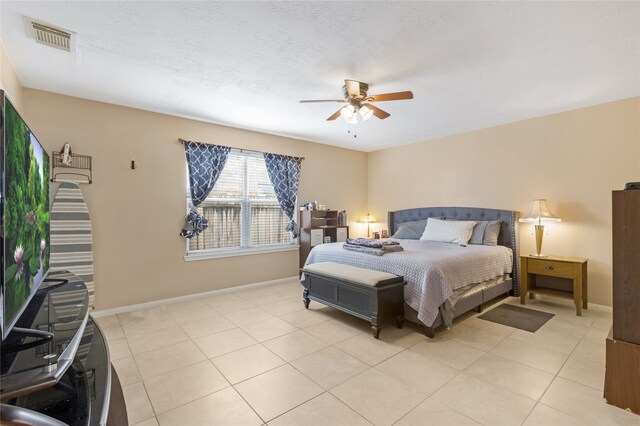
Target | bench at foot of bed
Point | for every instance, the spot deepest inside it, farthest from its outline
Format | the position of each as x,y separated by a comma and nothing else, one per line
370,295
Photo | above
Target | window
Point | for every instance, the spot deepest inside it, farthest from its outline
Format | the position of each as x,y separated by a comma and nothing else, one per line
242,208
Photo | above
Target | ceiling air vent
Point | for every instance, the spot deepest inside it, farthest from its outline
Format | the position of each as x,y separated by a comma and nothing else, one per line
50,36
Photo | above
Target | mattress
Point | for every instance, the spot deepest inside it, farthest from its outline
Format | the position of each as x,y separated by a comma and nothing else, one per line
433,270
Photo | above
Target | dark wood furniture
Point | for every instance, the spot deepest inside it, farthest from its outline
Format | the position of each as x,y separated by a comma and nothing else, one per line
36,379
626,266
374,302
622,375
573,269
315,226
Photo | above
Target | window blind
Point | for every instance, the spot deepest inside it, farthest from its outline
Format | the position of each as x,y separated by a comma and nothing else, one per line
242,208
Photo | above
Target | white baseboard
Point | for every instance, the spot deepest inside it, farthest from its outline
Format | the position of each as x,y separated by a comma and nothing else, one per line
603,308
188,297
568,302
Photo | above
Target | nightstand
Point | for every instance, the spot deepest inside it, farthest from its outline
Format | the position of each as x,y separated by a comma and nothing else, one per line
572,268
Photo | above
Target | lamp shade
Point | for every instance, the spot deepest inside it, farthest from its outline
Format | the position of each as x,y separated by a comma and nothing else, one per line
368,219
348,112
365,112
352,120
539,213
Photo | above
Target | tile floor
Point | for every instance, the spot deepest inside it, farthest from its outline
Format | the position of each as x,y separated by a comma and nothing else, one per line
257,357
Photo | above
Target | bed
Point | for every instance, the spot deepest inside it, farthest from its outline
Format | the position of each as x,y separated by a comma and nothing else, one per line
443,280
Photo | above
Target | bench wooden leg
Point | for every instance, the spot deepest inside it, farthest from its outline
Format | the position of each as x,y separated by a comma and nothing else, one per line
305,298
400,319
375,327
430,332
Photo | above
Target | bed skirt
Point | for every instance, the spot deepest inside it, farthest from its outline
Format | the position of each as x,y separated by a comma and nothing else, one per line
462,301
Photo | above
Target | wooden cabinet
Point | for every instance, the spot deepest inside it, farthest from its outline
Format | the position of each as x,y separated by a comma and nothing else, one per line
573,269
315,227
622,374
626,266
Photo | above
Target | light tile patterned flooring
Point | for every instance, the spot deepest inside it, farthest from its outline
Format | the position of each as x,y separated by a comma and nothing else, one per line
258,357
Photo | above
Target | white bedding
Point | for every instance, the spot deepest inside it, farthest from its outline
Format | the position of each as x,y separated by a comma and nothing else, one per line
432,269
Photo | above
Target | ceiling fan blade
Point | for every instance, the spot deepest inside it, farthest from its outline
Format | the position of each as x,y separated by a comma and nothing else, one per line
377,112
353,87
396,96
334,116
308,101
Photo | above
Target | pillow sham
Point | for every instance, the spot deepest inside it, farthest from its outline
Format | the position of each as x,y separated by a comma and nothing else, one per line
478,232
406,232
486,232
448,231
491,233
411,230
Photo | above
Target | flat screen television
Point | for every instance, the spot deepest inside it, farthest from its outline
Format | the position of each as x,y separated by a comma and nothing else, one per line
24,200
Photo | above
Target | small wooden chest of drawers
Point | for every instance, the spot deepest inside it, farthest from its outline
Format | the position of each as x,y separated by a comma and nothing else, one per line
572,268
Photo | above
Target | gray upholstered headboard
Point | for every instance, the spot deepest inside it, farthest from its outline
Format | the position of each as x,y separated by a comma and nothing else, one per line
508,230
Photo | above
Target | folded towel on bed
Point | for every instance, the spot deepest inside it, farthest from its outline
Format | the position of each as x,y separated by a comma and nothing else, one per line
368,242
373,250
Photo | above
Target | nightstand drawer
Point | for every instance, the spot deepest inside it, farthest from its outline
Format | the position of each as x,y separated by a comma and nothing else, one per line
551,268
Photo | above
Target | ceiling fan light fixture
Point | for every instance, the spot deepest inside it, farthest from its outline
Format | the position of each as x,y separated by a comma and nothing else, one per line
358,99
365,112
348,112
352,120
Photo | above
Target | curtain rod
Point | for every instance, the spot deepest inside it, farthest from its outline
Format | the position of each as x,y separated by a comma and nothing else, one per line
180,140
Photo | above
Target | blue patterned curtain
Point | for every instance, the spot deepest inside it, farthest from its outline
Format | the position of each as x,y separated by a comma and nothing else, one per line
205,163
284,174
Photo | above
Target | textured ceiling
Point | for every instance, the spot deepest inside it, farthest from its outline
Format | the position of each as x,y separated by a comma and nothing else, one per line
470,65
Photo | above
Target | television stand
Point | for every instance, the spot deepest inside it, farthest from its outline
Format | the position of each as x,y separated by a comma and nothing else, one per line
68,377
58,281
10,348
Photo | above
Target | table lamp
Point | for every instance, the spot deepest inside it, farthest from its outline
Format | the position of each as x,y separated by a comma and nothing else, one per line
539,213
368,220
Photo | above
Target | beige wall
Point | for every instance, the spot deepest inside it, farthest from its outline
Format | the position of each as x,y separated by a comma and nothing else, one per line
137,214
9,81
574,159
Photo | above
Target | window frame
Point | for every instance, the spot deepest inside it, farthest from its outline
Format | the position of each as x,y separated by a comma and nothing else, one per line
246,203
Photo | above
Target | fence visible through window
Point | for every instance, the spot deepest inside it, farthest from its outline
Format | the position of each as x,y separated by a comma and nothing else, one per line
268,223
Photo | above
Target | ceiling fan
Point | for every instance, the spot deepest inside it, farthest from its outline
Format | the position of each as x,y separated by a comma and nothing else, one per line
355,94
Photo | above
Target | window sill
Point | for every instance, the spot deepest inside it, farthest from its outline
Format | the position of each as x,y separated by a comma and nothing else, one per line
217,254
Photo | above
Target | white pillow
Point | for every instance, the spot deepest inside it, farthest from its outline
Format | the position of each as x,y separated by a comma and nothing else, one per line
448,231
